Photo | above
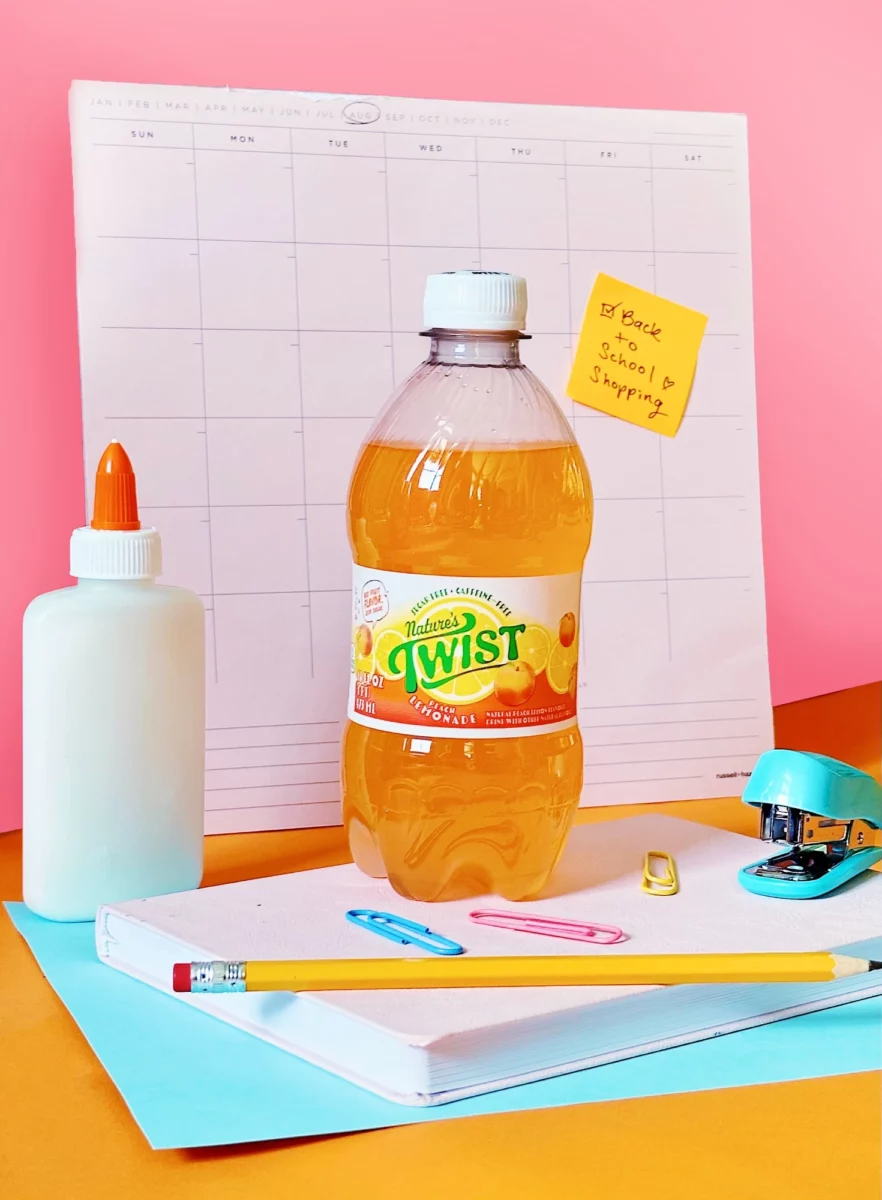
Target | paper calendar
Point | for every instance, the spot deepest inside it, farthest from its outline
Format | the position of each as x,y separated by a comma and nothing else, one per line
250,268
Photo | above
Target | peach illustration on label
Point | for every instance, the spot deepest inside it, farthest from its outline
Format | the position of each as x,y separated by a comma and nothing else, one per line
515,683
567,632
364,641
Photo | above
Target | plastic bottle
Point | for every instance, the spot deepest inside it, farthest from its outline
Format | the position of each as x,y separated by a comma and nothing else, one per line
470,514
114,720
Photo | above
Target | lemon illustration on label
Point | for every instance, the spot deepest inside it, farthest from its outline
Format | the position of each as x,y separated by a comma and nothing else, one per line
385,643
534,646
561,662
467,689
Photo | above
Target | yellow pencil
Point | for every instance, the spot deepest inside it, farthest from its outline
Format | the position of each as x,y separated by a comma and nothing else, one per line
622,970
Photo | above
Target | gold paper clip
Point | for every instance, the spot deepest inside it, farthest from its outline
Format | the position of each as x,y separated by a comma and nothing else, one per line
664,883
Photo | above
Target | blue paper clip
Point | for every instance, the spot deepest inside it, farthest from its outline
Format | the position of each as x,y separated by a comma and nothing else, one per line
402,931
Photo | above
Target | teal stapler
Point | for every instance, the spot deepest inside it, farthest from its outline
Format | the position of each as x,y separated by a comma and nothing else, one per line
829,815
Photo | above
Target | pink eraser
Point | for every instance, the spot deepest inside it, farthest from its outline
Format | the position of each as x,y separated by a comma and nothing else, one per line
181,977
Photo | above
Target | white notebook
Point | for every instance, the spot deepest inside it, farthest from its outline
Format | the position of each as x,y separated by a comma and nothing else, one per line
430,1047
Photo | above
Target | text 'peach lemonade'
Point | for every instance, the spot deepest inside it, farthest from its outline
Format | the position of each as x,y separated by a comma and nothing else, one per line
470,515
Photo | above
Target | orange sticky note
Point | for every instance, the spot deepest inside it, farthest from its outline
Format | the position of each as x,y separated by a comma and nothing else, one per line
636,356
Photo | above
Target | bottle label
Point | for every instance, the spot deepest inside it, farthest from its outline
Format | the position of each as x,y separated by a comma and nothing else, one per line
466,657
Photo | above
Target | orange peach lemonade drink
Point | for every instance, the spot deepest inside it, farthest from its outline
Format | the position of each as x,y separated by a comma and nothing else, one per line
470,515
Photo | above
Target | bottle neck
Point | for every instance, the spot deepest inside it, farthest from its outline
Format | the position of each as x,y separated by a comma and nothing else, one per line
475,349
99,585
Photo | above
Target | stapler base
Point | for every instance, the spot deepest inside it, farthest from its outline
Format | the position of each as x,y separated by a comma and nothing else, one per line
807,889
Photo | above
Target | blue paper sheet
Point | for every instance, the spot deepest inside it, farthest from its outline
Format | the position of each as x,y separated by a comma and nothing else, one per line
190,1080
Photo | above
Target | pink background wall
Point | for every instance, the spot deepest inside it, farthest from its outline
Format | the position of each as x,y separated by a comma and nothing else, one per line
807,74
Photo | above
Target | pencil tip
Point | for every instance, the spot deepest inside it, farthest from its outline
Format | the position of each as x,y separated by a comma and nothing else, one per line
875,964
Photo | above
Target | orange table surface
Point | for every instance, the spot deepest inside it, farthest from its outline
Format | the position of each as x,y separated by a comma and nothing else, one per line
65,1131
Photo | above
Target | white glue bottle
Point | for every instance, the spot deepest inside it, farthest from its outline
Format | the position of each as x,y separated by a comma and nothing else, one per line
114,719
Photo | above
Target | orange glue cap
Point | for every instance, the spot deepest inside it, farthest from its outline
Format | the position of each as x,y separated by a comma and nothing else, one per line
116,500
114,546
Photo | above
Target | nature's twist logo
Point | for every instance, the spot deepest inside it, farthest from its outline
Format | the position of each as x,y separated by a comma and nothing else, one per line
463,650
453,649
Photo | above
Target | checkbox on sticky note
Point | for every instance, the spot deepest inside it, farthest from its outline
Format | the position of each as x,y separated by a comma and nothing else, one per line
636,356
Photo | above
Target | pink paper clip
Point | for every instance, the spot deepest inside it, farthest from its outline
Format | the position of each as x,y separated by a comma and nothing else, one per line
556,927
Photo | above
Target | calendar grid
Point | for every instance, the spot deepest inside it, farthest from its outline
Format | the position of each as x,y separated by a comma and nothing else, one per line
146,237
569,405
301,440
308,242
406,158
388,254
694,143
480,263
661,449
209,608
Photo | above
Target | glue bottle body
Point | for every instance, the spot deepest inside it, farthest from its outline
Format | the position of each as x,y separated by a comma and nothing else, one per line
113,731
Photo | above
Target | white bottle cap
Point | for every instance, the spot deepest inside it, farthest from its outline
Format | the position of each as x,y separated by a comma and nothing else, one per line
475,301
115,553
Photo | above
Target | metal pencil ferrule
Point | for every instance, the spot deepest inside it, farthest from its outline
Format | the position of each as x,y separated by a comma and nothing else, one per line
217,977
